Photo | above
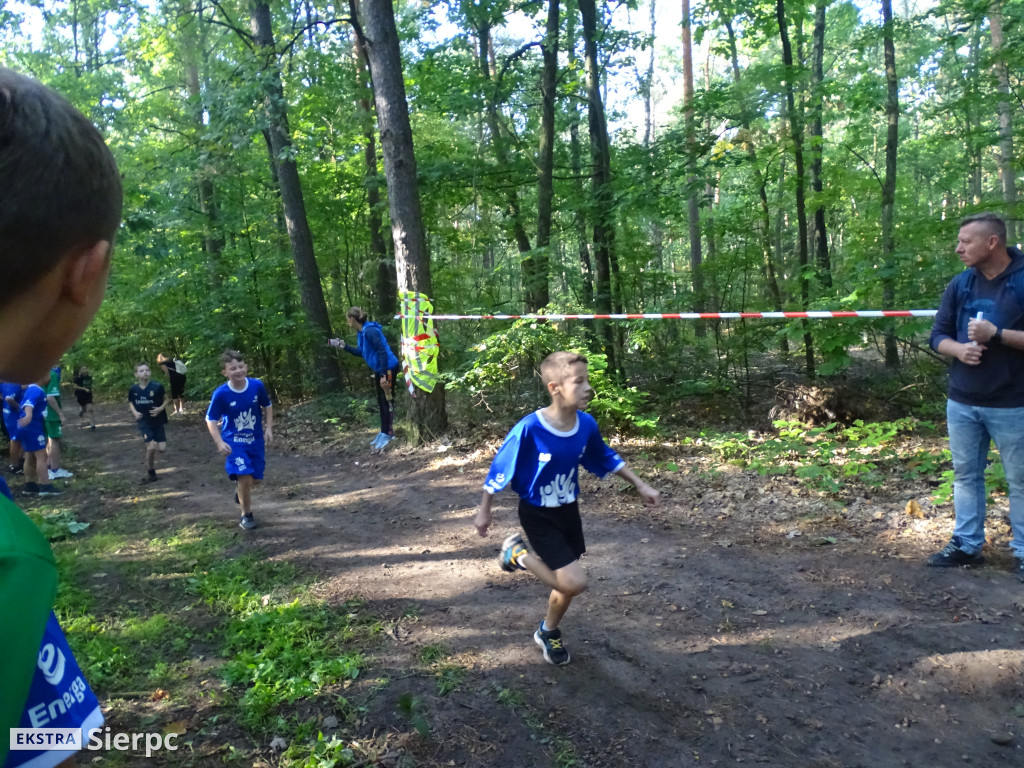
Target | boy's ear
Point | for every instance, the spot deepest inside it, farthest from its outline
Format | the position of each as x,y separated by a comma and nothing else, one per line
87,272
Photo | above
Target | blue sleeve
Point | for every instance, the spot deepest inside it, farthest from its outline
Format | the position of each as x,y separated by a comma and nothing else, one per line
264,396
944,326
503,466
214,412
598,457
356,351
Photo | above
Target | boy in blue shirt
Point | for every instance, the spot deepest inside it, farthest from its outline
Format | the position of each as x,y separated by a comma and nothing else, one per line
540,458
32,436
60,207
235,421
11,394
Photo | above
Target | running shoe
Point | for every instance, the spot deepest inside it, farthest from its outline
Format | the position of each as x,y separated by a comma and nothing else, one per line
247,522
551,643
512,551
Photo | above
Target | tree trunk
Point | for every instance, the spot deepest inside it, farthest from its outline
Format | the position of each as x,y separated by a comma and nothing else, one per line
692,201
537,290
310,289
797,136
575,165
1007,177
892,120
386,298
377,20
604,207
819,236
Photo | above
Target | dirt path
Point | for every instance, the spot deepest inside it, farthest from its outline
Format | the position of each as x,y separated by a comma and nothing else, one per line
740,622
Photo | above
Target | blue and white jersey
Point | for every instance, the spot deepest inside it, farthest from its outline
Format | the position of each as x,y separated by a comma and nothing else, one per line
9,389
35,396
239,414
542,463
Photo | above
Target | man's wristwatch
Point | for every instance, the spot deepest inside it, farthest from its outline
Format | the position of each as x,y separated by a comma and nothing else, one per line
998,335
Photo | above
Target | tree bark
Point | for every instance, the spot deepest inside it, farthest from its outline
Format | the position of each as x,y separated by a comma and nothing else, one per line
376,23
604,208
692,195
892,121
797,136
386,298
1007,176
308,273
537,291
819,236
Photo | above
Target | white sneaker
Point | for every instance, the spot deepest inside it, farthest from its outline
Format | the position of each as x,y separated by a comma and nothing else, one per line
375,443
384,442
60,474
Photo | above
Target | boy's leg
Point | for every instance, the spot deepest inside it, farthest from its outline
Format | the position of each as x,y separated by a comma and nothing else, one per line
565,583
53,454
244,485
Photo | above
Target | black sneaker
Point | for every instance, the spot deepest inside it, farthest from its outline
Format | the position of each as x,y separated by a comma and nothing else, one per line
49,490
18,469
951,556
247,522
512,551
151,477
551,643
30,489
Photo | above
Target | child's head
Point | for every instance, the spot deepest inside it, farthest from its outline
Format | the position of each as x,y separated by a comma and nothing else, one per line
356,317
82,370
162,358
564,374
142,371
60,206
233,366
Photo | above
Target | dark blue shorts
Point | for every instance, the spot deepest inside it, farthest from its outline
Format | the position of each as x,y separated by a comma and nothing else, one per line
32,439
152,433
246,460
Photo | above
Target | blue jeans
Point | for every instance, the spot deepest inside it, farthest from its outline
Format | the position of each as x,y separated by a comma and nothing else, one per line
971,428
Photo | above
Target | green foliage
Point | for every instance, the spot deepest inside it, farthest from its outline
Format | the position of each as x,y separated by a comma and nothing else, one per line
826,458
501,375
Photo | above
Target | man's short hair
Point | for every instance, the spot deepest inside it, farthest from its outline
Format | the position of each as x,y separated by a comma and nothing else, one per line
59,185
992,222
230,355
558,365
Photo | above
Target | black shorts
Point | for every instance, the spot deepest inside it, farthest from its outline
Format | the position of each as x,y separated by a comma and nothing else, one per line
152,433
177,382
83,398
555,533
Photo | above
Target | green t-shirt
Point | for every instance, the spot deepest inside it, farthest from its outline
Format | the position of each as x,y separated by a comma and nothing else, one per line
28,584
53,390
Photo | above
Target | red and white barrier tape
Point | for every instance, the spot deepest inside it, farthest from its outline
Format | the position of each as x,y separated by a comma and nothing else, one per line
813,315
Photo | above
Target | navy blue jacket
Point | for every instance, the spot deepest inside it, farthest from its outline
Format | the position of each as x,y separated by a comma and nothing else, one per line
998,381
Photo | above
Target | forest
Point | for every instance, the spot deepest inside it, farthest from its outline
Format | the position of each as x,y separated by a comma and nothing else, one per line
283,161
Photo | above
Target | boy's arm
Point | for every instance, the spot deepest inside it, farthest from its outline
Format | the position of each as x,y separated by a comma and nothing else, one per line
51,402
268,418
649,495
214,429
25,420
131,407
483,518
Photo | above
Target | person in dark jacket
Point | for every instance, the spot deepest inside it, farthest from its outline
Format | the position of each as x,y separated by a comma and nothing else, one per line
980,324
374,349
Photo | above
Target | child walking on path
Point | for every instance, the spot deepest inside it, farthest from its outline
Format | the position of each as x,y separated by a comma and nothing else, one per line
235,421
540,458
83,394
374,349
148,405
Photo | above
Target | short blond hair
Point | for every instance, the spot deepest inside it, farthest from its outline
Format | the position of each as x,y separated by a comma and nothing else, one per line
557,366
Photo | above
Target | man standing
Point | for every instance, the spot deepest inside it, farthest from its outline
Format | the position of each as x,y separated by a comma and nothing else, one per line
980,323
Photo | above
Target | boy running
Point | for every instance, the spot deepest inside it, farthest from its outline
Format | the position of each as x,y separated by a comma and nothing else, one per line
540,458
235,421
148,405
